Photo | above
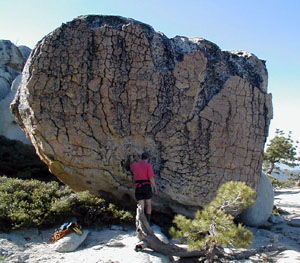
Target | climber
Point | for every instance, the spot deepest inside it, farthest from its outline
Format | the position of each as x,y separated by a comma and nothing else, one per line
143,183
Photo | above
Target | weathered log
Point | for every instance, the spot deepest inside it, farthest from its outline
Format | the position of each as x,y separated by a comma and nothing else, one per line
148,240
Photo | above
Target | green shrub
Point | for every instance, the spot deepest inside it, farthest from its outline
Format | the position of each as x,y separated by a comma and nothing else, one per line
32,203
279,211
282,184
90,210
19,160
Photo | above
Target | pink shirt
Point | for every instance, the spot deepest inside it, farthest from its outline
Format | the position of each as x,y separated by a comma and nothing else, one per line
142,170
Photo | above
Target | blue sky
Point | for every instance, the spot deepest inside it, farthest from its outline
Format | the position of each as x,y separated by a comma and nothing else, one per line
268,28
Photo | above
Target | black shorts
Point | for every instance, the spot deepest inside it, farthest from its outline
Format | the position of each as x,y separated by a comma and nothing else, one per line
144,192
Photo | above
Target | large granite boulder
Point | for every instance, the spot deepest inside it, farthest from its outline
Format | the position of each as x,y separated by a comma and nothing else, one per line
100,90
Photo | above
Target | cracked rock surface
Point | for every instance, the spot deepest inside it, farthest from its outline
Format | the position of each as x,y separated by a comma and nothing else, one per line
100,90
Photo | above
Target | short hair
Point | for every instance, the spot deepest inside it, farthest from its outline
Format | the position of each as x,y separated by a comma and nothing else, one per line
145,155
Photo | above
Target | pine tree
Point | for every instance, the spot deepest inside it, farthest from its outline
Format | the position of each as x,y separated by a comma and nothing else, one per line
213,227
281,149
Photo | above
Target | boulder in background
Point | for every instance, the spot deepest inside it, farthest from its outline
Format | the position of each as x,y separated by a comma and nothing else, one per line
12,60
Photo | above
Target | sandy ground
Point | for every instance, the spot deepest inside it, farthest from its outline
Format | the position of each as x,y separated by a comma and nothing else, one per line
116,244
286,233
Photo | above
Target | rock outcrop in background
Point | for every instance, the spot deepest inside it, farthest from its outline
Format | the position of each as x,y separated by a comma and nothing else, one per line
100,90
12,60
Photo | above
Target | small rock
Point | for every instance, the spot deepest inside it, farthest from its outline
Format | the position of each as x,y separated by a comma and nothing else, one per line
275,219
98,247
17,258
274,238
114,227
70,242
24,257
294,223
115,244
